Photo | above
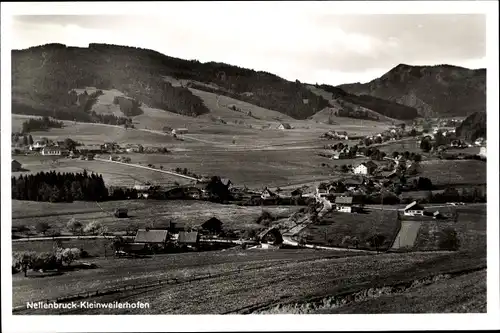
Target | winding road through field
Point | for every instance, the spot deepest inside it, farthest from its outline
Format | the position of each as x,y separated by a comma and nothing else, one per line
148,168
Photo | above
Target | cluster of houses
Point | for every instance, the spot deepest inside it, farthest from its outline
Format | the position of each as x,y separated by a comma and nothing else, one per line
392,133
370,168
334,135
58,148
176,234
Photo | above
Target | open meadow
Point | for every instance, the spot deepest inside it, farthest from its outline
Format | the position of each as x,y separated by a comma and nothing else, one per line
454,172
143,213
113,174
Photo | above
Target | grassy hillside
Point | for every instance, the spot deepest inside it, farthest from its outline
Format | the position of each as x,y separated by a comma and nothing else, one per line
441,90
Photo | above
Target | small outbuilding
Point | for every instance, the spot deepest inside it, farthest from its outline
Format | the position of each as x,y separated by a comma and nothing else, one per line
213,225
16,166
121,212
284,126
179,131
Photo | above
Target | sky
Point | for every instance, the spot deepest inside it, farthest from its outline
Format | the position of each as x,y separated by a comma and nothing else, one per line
312,46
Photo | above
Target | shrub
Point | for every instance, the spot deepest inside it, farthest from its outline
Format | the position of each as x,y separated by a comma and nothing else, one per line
95,228
42,227
448,239
68,255
250,234
44,261
265,218
22,261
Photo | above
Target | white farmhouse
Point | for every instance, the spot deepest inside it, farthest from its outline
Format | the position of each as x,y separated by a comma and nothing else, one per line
413,209
365,168
52,151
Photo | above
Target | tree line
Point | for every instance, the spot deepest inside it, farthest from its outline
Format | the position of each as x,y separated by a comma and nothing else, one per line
56,259
70,114
59,187
129,106
40,124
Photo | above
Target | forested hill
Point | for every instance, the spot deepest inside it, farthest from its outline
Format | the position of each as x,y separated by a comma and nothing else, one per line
43,76
473,127
381,106
441,90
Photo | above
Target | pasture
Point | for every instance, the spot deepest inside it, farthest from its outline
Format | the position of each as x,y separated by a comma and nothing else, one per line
143,213
242,281
92,133
454,172
112,173
253,168
339,229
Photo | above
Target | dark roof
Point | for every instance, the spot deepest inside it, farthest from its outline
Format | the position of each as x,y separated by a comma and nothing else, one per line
264,233
188,237
344,200
211,222
286,125
151,236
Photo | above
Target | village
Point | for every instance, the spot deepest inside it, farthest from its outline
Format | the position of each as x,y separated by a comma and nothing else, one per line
378,178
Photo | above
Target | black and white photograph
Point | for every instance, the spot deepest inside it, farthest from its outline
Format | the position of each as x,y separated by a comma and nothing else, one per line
249,158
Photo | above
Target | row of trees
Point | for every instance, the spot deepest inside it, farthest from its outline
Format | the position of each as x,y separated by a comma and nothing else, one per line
22,139
348,111
24,260
59,187
72,113
40,124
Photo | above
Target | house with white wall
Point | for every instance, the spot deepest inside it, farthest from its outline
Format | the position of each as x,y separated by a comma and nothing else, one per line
413,209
